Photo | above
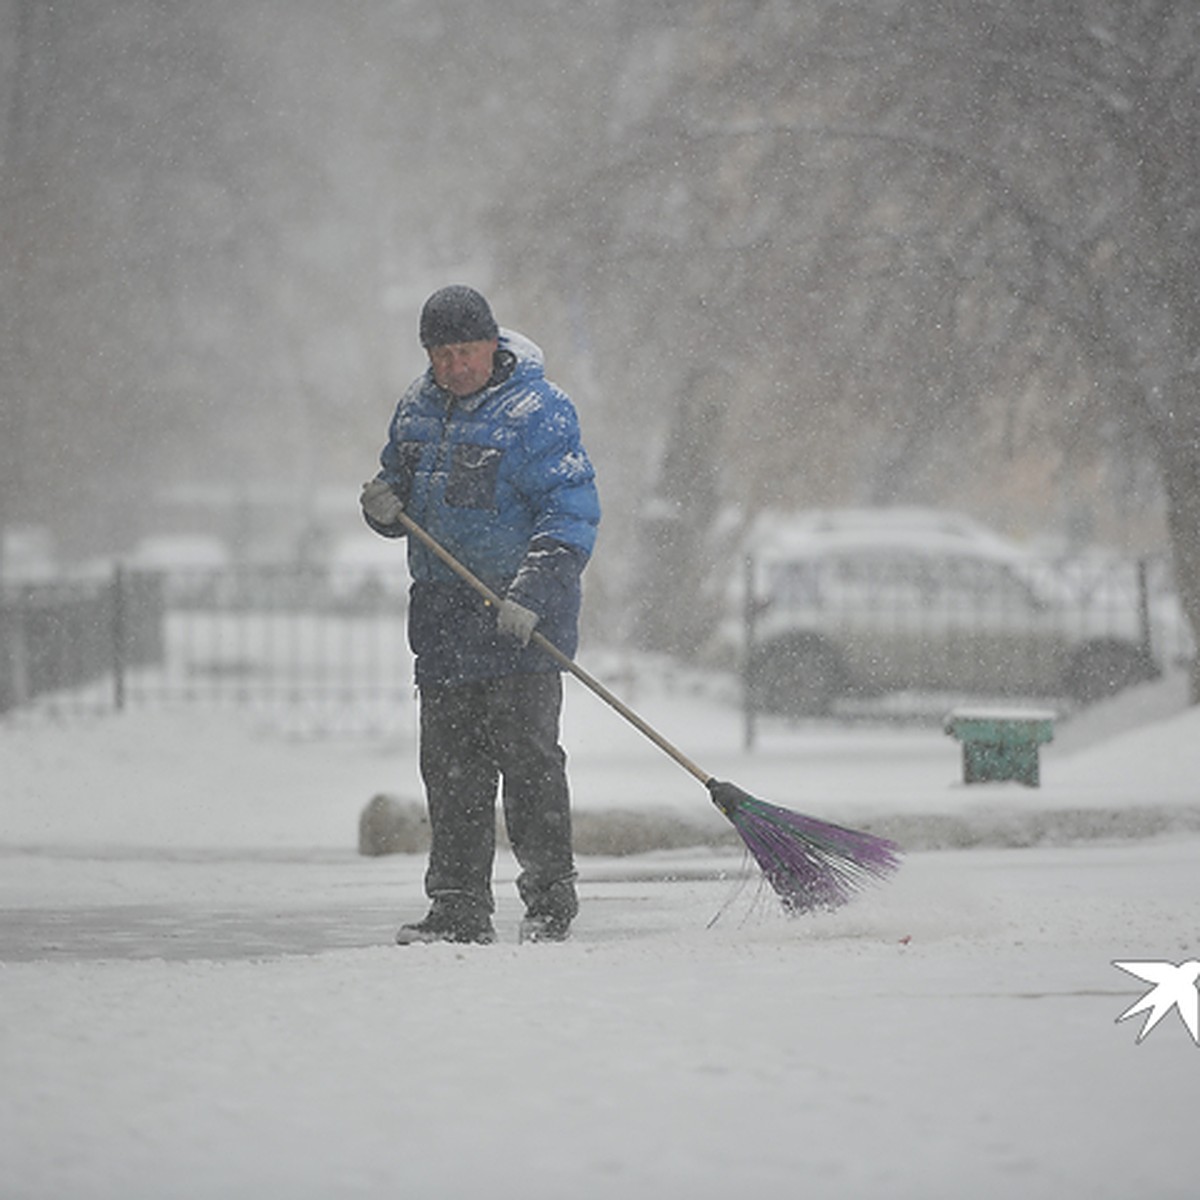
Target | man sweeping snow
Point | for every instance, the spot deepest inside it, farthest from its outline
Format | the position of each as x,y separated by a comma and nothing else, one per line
485,454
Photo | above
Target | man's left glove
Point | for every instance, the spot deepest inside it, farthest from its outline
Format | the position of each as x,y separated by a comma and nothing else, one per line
380,503
516,621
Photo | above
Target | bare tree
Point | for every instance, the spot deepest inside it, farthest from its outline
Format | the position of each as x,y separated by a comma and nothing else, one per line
910,233
1073,132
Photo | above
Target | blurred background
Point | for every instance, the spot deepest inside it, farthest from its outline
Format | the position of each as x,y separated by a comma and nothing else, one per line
785,256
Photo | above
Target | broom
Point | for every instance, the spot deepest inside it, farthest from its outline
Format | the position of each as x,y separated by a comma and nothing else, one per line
811,864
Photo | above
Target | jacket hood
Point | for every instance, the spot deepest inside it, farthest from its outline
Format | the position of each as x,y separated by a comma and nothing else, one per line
530,360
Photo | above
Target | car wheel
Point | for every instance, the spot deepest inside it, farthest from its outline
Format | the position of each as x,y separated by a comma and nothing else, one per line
1102,669
795,677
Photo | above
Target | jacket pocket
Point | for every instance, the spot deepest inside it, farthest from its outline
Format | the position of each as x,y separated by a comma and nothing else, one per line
474,471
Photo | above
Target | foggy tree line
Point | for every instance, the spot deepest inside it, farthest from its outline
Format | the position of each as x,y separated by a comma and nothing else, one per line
783,253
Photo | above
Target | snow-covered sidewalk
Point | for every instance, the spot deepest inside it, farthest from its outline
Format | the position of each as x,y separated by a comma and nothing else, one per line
200,997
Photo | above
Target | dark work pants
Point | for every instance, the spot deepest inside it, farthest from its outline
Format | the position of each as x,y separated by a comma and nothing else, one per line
473,736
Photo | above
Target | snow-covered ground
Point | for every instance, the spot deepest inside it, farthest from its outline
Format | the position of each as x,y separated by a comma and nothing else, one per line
200,997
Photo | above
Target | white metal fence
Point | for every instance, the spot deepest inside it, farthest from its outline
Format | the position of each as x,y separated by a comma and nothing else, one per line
328,647
328,644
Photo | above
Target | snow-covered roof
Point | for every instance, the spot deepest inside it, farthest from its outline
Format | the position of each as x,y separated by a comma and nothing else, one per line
918,531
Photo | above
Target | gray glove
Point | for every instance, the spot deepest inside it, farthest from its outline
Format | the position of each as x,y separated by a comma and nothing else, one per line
380,503
516,621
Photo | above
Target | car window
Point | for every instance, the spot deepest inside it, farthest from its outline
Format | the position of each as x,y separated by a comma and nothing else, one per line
985,586
883,581
794,585
898,583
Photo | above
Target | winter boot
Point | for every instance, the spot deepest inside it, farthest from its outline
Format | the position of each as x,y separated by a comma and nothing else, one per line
449,922
548,911
546,927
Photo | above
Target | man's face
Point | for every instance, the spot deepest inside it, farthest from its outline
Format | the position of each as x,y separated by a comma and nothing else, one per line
462,368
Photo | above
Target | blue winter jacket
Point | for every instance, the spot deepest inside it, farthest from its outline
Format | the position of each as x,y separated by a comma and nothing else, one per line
501,480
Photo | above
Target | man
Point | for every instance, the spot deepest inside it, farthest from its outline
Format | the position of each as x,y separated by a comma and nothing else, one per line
484,453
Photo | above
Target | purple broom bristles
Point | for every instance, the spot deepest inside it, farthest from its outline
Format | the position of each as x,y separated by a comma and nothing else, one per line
811,864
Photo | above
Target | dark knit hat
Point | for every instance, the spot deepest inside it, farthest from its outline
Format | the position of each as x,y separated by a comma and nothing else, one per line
456,314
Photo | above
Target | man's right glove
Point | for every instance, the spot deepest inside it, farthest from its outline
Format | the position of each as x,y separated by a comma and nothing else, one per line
516,621
380,503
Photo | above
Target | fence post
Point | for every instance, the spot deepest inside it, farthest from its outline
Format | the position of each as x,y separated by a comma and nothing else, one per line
8,652
119,638
1143,588
19,689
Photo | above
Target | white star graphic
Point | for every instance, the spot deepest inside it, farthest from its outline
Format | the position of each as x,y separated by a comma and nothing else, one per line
1174,987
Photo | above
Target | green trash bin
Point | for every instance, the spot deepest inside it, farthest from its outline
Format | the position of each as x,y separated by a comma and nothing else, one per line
1001,744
